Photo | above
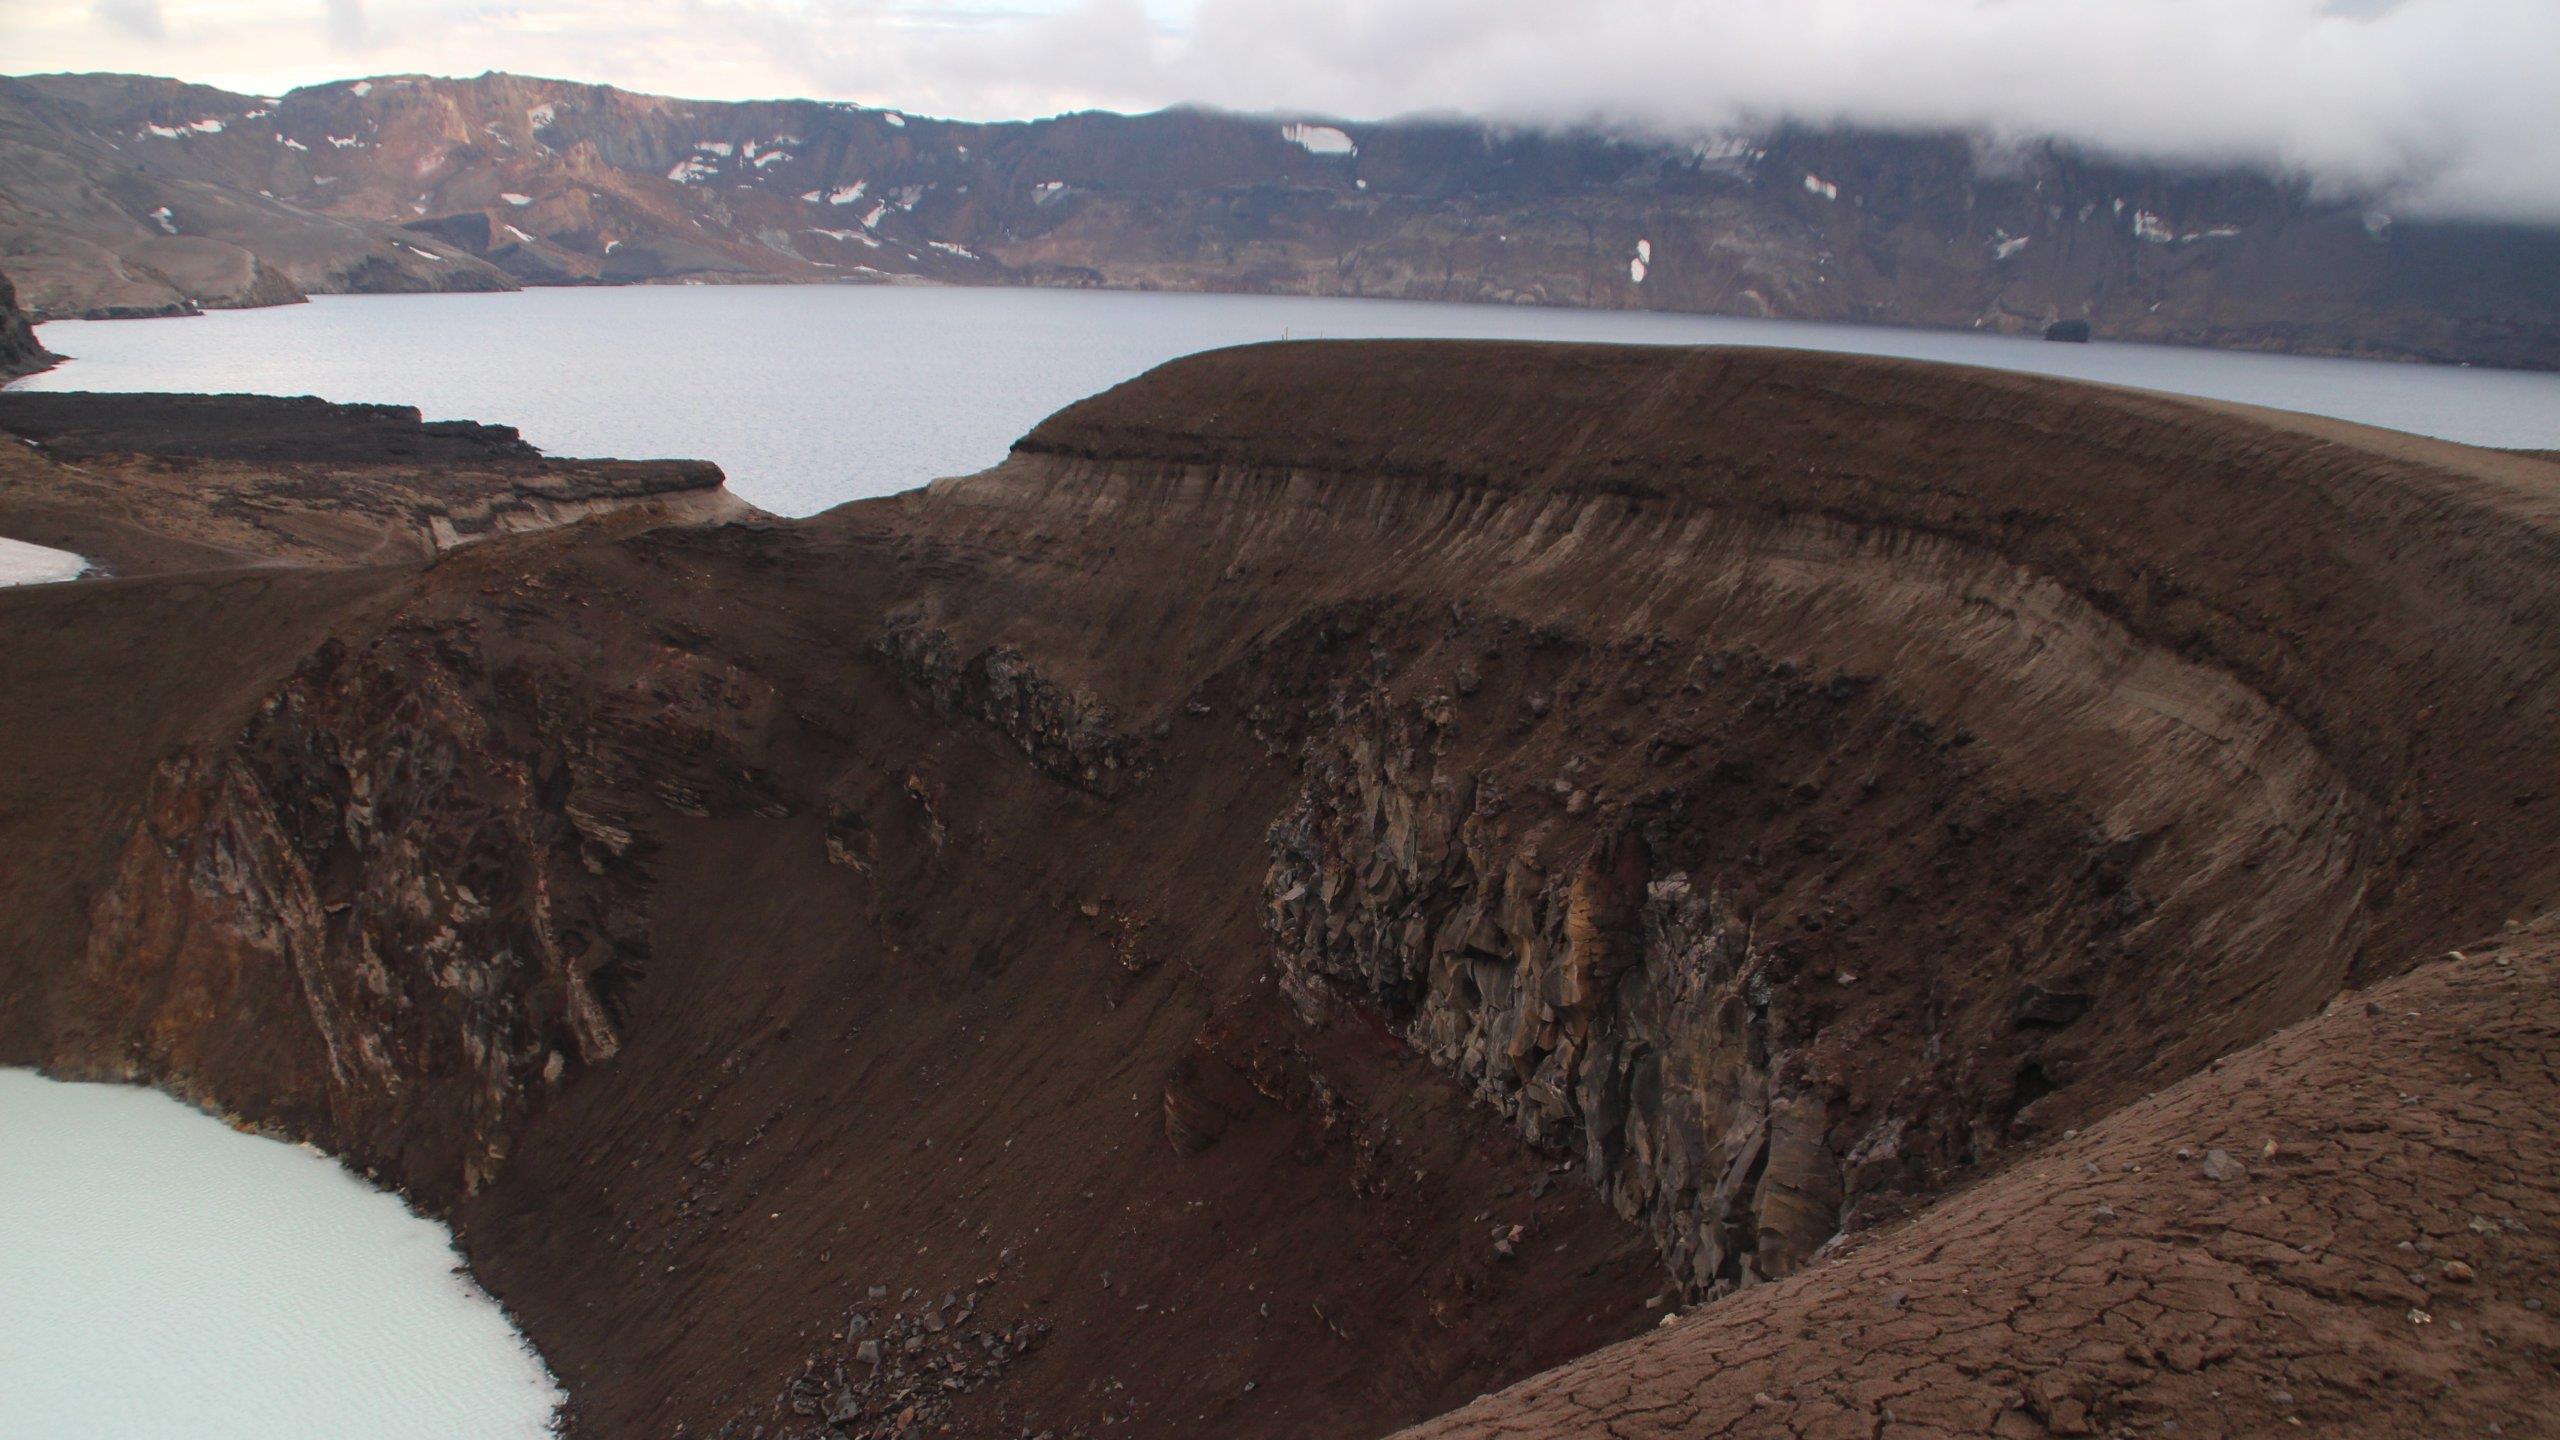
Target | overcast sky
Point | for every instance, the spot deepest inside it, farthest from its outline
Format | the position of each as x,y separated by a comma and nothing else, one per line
2449,105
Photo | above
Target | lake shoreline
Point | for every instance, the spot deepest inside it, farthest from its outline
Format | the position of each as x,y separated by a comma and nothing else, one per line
812,396
262,1286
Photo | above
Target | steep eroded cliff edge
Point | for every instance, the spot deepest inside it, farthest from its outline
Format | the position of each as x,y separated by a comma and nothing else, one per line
1323,884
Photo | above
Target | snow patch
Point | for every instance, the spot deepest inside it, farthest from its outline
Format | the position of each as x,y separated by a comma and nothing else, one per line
360,89
513,198
894,118
947,248
847,194
715,147
693,170
343,142
25,564
1816,185
872,220
289,141
1644,251
166,222
541,116
1319,139
2151,228
1635,271
423,254
521,237
771,157
2006,244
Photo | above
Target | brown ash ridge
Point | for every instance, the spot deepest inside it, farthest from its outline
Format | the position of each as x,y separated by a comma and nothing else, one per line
1340,878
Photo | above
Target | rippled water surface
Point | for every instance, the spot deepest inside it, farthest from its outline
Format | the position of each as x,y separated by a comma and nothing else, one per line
164,1277
809,396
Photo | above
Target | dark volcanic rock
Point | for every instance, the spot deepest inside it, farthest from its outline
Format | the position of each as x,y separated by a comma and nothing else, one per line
19,352
254,428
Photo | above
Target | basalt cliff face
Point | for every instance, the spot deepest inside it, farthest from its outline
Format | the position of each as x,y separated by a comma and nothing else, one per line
1340,877
137,195
19,352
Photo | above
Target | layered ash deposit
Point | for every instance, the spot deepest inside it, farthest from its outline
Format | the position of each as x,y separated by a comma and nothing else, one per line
1340,878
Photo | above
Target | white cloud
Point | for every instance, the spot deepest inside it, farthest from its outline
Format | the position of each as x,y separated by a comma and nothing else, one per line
138,18
2445,105
348,31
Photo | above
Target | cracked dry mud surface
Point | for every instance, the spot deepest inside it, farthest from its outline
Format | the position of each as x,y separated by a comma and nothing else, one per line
2378,1260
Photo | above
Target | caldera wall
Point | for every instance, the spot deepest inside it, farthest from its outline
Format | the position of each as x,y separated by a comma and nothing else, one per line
1310,802
1780,783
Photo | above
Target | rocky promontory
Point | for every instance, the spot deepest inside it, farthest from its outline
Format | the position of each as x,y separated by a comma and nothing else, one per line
19,352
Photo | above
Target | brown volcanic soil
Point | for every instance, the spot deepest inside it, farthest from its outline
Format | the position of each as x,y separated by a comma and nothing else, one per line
1185,895
2371,1254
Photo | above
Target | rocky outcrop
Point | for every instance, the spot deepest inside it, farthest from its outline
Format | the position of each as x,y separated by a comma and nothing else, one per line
427,909
1069,734
19,352
1597,953
1618,1018
136,194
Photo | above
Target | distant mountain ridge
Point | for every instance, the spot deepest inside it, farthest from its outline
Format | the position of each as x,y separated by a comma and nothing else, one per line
126,195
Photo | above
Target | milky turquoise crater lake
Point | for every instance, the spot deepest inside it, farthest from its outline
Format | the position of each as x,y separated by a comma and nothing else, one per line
165,1277
809,396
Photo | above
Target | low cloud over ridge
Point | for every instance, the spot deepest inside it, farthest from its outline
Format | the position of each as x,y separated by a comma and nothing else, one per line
2447,106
